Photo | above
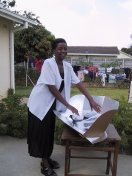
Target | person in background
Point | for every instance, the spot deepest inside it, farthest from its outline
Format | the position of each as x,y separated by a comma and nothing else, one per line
51,92
127,72
38,64
31,61
92,72
76,68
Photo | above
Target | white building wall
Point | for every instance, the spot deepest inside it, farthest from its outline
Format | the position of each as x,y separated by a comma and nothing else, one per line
125,60
4,58
96,60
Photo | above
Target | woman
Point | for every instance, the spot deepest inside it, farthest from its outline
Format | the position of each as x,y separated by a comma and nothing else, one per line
52,91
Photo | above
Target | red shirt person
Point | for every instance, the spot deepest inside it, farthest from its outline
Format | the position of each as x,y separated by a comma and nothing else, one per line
38,64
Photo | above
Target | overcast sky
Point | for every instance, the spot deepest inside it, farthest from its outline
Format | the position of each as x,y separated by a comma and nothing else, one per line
85,22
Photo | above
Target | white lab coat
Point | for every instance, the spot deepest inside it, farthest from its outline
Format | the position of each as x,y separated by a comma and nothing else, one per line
41,99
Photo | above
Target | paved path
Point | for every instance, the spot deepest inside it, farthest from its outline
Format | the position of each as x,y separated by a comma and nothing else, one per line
15,161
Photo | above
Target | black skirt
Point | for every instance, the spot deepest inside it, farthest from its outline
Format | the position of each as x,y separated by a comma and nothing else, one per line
40,137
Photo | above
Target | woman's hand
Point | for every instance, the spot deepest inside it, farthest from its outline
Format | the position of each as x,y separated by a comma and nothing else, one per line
73,109
84,91
95,105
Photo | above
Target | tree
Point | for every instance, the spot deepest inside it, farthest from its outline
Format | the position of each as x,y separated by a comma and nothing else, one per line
127,50
7,3
33,41
31,16
112,64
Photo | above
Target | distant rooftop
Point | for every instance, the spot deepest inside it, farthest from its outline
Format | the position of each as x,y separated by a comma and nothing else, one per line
93,50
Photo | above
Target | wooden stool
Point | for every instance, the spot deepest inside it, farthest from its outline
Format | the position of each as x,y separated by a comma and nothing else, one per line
74,141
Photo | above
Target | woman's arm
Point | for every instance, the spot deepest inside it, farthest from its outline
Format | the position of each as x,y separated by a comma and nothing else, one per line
84,91
59,97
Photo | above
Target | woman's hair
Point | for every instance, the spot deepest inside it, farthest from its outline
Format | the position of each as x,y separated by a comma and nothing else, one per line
56,41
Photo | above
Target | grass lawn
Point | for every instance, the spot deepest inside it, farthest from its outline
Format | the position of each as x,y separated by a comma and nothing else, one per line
110,92
23,91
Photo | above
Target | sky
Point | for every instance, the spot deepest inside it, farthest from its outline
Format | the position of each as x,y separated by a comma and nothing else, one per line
84,22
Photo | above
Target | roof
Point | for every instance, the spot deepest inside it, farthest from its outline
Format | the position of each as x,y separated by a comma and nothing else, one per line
124,55
16,18
93,50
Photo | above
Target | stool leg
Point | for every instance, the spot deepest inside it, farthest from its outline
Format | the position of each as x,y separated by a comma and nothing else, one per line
108,163
115,157
67,158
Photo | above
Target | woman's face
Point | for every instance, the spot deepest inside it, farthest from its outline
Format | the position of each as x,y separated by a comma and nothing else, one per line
60,51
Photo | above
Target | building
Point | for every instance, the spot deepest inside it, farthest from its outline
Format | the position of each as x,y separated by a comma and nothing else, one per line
98,55
8,22
125,60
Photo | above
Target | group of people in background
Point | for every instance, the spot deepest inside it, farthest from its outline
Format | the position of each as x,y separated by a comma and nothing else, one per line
91,71
104,73
35,63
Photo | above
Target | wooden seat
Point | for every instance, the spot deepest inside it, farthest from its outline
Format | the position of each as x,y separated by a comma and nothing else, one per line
110,146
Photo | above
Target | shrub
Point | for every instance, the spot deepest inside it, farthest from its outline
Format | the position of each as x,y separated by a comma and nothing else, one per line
10,91
13,117
58,130
123,124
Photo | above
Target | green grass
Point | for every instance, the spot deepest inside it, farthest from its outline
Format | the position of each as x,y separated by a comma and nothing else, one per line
110,92
23,91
